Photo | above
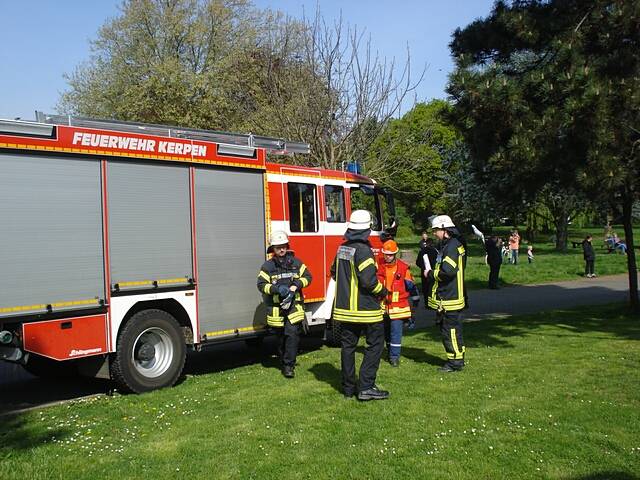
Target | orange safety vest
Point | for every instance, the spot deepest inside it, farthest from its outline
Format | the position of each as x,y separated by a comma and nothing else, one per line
393,275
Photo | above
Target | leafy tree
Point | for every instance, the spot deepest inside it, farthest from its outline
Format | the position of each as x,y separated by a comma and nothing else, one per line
408,157
468,197
547,95
226,65
172,62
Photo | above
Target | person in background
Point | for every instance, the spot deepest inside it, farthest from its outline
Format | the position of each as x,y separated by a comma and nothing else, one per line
281,280
506,253
589,255
619,244
423,240
514,246
530,253
394,274
448,297
422,262
493,245
357,307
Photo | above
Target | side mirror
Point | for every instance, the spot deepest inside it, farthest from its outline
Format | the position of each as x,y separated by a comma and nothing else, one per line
390,229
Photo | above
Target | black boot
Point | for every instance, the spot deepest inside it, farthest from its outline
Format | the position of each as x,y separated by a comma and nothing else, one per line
373,394
288,371
450,367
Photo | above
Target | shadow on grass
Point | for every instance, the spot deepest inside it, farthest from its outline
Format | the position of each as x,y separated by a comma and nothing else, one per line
25,391
421,356
607,475
611,320
328,373
18,432
238,354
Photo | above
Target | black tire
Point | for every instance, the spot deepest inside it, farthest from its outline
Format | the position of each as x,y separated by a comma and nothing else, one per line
333,333
44,367
150,352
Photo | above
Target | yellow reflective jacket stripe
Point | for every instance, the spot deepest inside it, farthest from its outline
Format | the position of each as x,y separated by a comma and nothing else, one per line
366,263
264,275
399,313
450,261
353,296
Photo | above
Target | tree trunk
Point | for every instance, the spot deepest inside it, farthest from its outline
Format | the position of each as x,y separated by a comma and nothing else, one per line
627,207
562,232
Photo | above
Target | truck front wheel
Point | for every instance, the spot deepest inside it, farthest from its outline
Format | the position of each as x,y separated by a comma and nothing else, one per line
150,352
333,333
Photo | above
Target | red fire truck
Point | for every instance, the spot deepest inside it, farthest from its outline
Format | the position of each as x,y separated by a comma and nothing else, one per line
123,244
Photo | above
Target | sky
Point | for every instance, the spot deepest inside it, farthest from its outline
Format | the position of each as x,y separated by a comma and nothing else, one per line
41,40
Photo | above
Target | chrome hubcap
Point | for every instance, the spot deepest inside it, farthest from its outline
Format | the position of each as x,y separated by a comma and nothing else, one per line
152,352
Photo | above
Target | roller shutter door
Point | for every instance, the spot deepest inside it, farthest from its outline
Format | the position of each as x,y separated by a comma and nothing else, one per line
51,234
149,225
231,248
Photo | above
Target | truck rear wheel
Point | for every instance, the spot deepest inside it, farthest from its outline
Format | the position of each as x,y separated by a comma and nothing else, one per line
333,333
150,352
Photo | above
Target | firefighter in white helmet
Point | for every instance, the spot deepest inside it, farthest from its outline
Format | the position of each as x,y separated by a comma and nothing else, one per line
448,296
357,306
281,280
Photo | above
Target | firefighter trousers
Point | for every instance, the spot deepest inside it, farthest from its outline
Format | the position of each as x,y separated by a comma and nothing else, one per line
289,339
374,335
393,336
451,330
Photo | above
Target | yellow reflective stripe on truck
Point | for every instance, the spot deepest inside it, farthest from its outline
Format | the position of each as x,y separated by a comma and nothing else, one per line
44,306
234,330
140,283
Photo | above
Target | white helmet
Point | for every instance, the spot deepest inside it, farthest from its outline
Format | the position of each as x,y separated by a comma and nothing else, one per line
278,238
441,221
359,220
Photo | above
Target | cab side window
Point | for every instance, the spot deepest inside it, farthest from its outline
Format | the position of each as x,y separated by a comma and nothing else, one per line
303,216
334,204
364,198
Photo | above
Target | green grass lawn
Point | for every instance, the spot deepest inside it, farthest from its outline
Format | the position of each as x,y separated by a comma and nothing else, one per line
548,265
544,396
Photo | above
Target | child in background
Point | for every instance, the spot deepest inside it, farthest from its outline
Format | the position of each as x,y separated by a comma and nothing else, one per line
530,253
505,249
394,274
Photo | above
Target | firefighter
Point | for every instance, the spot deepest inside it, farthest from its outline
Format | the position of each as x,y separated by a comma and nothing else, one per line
281,280
396,277
357,305
448,297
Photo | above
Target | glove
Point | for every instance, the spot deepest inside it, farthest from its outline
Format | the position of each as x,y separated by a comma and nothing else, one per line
412,324
283,291
285,303
383,293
